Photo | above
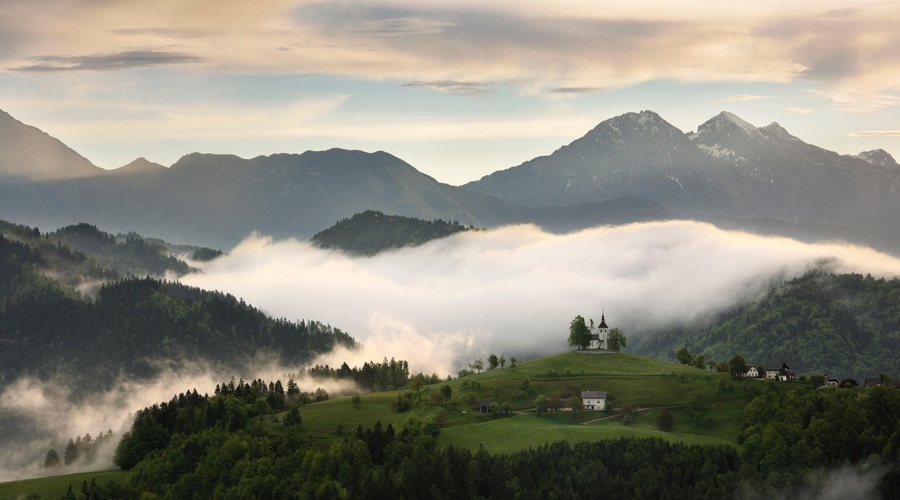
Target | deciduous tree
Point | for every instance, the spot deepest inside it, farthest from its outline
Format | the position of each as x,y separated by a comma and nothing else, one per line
579,333
616,340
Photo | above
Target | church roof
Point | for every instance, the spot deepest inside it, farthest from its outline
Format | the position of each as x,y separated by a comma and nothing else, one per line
602,321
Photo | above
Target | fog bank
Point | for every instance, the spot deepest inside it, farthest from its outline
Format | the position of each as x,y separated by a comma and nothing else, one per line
37,415
514,290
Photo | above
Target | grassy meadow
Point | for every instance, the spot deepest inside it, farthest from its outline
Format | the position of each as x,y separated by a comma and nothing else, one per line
707,408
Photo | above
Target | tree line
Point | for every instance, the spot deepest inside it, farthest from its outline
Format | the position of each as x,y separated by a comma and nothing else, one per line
846,325
48,328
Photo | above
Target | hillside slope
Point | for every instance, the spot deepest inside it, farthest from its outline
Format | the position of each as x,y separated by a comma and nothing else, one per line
844,325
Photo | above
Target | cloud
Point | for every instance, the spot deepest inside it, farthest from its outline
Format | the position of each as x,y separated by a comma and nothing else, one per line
402,26
576,90
109,62
52,415
864,133
514,290
453,87
802,111
745,97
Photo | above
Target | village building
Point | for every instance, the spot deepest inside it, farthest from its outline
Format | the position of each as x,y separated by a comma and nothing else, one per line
484,405
752,372
872,382
593,400
598,340
779,370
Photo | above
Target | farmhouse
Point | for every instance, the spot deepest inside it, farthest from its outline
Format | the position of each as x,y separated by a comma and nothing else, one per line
598,340
752,372
779,370
593,400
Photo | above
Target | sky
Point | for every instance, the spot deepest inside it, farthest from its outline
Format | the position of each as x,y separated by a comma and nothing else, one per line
458,89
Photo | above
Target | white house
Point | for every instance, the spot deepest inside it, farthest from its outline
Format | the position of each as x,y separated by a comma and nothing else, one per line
752,372
593,400
598,340
779,371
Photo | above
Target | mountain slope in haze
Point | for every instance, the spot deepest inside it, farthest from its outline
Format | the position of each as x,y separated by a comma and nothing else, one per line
844,325
629,168
217,200
635,154
28,153
729,170
371,232
781,177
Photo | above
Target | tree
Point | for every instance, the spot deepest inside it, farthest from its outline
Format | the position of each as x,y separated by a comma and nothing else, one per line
737,366
665,421
699,362
684,356
493,362
502,361
577,407
616,340
357,400
477,365
540,404
418,382
512,362
293,417
71,453
579,333
52,459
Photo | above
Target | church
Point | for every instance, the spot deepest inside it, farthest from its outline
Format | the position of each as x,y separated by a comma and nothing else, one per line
598,340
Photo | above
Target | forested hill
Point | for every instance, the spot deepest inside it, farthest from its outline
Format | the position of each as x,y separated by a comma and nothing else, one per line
47,327
134,255
370,232
845,325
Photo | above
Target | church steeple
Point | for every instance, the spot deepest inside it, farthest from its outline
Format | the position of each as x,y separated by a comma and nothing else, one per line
602,321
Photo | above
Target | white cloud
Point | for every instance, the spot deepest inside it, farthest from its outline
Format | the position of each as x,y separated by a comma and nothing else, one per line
514,290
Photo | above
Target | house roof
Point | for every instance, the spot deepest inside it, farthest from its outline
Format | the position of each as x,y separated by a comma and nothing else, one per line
593,394
777,366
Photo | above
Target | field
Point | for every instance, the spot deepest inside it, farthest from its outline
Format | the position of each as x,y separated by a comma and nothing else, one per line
56,486
707,408
637,384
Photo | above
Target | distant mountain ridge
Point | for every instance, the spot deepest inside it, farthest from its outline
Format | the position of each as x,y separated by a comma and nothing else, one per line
633,167
728,169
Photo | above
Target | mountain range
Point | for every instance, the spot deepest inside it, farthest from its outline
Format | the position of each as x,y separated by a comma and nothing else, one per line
633,167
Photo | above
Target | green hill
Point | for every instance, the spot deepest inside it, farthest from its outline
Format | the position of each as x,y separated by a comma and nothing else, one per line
846,325
370,232
728,436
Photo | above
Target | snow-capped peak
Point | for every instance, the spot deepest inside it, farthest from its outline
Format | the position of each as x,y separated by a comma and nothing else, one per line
735,119
878,157
775,129
723,123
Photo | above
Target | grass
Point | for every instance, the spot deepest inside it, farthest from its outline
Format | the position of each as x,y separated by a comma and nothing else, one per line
505,434
632,381
56,486
641,385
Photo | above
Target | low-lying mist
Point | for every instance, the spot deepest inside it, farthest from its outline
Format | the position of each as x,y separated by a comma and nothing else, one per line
514,290
37,415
